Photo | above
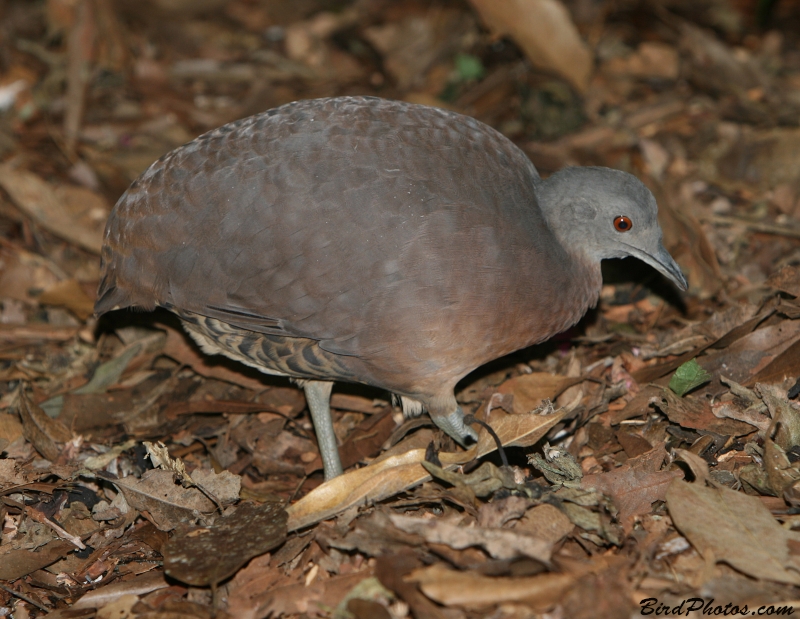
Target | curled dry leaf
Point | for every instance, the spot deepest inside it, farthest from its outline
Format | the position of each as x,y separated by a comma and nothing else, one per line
530,390
140,585
483,482
470,589
395,474
785,418
168,503
499,543
698,466
222,488
502,510
780,473
46,434
746,406
545,32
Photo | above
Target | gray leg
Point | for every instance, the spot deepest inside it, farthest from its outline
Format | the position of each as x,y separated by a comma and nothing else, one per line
453,424
318,397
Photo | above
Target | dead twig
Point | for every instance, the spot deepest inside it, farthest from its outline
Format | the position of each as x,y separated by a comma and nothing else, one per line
39,517
754,226
24,598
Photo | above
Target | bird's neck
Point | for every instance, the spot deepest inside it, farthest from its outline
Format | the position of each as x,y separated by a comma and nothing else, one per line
581,294
554,304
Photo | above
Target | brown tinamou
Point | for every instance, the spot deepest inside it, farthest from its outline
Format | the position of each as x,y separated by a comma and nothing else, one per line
364,240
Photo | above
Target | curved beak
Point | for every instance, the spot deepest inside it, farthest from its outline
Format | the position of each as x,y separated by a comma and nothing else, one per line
662,262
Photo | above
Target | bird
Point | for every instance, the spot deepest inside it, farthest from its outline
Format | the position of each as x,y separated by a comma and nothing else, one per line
373,241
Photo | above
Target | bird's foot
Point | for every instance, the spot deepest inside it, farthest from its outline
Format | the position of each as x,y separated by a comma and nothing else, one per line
453,424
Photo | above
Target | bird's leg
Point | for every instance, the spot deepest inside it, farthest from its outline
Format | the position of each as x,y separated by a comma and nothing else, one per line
453,424
318,397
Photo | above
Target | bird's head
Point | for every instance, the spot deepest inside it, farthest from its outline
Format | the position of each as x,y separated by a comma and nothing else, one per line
603,213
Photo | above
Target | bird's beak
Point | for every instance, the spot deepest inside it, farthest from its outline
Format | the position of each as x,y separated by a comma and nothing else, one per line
662,262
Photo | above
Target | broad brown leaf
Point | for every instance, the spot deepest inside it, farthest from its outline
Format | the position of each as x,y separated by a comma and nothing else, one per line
734,528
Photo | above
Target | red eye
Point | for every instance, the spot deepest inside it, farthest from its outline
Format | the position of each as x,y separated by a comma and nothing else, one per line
622,223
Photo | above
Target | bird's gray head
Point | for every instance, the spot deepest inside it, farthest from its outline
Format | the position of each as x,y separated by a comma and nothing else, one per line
605,213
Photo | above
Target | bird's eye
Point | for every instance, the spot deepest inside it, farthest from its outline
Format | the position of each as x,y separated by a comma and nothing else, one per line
622,223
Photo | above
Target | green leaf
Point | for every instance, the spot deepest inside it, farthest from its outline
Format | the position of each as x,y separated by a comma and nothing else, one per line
687,377
469,67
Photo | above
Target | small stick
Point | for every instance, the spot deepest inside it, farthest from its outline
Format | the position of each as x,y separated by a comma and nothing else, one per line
24,598
39,517
755,226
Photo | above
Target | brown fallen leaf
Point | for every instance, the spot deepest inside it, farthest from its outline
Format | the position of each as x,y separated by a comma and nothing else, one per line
392,475
545,32
496,514
635,485
367,438
781,474
250,584
21,561
76,214
208,555
749,355
367,609
786,280
9,475
783,366
499,543
698,466
545,522
734,528
530,390
695,413
45,433
141,585
168,503
23,272
785,418
289,597
473,590
724,328
10,428
392,568
70,295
